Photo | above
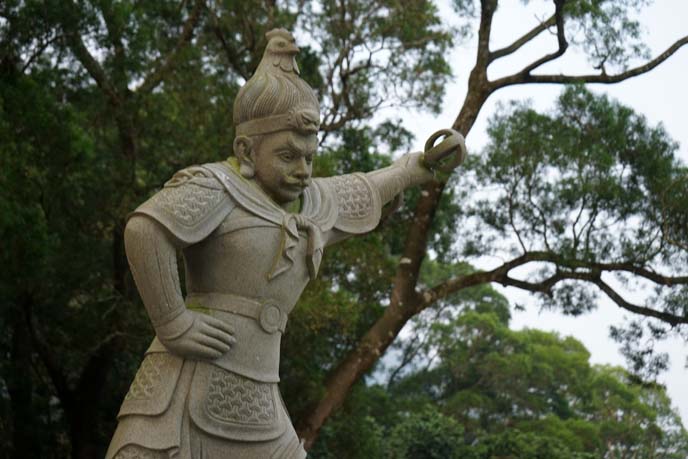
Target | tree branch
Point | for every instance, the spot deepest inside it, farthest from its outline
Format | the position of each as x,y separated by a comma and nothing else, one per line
487,12
544,287
516,45
233,56
164,64
561,41
114,28
671,319
592,275
39,50
92,66
49,359
525,77
455,284
642,272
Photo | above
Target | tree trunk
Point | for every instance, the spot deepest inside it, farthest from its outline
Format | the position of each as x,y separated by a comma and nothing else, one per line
20,388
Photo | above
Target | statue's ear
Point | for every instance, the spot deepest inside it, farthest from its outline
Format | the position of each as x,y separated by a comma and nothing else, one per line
243,150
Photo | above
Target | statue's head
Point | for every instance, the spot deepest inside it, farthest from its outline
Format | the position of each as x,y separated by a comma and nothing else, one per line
276,119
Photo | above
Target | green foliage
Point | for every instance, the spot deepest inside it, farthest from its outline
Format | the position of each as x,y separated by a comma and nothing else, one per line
427,435
585,182
387,53
357,432
494,392
607,31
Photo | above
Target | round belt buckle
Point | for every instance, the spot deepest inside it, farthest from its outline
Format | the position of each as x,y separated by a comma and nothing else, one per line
270,318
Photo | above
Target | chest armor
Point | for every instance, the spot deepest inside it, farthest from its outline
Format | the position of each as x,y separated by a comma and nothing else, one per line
239,256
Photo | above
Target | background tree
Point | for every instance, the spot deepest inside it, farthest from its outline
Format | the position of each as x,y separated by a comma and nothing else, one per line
493,392
101,101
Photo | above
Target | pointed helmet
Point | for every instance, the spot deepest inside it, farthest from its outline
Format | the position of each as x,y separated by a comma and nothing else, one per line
275,98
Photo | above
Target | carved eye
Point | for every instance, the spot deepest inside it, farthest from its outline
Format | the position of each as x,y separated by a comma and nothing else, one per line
282,44
309,159
287,156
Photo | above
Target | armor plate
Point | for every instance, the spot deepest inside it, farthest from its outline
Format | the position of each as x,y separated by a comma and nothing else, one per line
153,386
358,203
191,205
232,406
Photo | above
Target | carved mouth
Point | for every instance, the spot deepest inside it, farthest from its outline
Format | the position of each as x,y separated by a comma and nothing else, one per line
297,185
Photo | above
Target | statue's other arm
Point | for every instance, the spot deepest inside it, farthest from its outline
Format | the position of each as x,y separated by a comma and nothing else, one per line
189,207
360,197
405,172
152,255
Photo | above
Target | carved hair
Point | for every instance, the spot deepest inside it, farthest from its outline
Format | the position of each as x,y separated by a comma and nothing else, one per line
269,94
276,93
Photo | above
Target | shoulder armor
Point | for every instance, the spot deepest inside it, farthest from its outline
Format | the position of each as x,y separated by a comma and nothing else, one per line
191,204
358,203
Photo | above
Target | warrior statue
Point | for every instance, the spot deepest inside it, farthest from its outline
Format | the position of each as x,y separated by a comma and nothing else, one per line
252,231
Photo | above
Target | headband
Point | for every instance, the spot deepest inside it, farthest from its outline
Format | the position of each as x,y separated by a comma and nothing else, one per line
303,120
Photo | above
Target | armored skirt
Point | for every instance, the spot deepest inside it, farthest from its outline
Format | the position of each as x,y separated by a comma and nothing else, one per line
202,424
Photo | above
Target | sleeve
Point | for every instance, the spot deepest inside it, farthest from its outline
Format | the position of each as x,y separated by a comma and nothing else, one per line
153,262
357,204
405,172
190,206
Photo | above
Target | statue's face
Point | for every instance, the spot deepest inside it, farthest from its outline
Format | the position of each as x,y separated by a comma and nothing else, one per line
284,163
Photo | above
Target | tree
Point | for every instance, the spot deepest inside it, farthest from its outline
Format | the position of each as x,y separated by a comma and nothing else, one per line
611,42
495,392
100,102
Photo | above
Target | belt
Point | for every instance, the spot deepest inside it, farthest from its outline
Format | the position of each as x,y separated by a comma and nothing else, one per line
265,312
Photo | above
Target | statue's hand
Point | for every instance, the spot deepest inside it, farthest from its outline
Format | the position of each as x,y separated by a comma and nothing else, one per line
447,154
196,336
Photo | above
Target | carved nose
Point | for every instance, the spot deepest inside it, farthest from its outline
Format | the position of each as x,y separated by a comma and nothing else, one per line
301,172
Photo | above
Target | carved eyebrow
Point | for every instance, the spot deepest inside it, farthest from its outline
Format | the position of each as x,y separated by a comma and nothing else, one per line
298,148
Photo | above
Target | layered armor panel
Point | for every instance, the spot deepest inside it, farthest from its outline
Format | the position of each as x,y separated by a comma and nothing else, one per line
191,205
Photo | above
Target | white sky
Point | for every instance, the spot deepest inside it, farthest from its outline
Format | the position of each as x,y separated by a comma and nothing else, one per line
660,95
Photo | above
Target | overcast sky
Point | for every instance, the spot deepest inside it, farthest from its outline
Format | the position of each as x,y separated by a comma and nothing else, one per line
661,95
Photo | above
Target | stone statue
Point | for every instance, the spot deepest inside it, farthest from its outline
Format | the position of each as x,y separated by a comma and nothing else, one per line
252,230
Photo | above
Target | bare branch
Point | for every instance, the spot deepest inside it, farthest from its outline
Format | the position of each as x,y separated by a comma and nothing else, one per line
523,77
541,213
641,310
516,45
561,40
591,273
642,272
487,12
511,217
39,50
164,64
575,234
545,287
455,284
